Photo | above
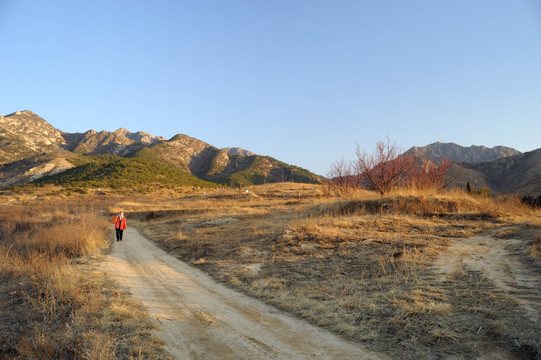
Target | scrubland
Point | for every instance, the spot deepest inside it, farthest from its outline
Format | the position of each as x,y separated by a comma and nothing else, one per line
391,273
53,303
429,275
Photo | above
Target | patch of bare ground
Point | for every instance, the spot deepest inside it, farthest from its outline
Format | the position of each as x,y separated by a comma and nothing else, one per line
402,275
498,261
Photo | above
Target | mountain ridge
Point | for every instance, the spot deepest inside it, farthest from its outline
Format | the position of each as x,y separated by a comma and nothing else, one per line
31,148
475,154
38,149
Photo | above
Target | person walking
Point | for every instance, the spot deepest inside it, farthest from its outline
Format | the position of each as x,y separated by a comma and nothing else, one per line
120,225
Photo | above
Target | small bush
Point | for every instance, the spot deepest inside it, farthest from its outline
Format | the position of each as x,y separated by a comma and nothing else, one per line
533,201
485,192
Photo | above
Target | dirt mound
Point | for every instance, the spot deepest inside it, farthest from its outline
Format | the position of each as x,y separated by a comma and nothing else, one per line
414,205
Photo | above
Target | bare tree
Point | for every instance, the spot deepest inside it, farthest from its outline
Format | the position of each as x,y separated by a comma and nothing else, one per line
341,178
386,168
429,175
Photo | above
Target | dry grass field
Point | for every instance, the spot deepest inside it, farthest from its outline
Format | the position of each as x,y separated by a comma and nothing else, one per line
53,304
430,275
413,275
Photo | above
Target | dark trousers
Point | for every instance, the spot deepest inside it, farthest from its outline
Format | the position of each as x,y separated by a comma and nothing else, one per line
119,234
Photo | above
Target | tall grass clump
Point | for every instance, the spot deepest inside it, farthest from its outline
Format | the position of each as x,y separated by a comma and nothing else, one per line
42,287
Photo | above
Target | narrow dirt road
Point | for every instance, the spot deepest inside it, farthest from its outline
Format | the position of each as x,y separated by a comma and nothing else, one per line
202,319
499,261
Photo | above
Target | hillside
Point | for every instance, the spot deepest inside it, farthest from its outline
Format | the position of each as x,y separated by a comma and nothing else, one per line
115,172
517,174
222,165
34,167
31,148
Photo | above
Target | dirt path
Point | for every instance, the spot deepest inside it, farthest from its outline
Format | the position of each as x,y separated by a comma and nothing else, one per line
202,319
499,261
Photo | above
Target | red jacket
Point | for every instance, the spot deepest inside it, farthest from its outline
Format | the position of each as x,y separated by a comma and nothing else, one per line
120,224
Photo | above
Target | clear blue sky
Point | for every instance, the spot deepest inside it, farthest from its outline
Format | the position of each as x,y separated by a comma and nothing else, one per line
302,81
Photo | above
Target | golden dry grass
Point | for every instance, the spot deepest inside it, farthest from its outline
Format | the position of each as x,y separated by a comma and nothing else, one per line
52,304
361,267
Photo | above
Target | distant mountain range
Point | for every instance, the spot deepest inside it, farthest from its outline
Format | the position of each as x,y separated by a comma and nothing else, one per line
31,149
473,154
500,169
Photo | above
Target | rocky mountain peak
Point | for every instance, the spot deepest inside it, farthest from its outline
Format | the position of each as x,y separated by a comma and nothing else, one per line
238,151
24,133
119,142
121,132
24,113
145,138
